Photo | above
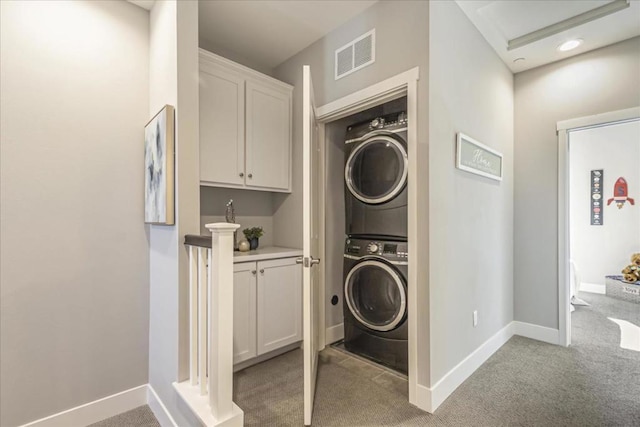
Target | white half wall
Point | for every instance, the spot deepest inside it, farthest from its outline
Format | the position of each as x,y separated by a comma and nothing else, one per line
600,250
74,251
173,66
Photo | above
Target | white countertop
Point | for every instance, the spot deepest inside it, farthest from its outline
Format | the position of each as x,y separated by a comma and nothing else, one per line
268,252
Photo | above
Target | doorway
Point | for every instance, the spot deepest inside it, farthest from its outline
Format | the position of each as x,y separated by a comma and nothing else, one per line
599,228
404,84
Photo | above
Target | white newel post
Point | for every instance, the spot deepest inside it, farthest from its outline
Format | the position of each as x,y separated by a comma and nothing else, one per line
221,321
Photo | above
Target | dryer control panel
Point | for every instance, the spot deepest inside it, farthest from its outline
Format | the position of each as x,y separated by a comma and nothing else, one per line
391,122
391,250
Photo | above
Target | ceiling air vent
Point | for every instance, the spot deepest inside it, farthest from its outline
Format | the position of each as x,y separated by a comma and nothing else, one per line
356,54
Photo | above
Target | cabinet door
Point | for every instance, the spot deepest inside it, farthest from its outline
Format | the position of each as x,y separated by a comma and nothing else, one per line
221,128
279,304
268,137
244,311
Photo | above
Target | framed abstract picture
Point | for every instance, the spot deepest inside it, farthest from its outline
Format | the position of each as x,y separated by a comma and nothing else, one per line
159,168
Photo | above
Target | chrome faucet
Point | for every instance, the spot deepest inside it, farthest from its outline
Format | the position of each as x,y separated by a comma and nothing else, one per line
230,216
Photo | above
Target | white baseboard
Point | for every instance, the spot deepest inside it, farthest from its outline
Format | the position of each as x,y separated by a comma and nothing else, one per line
199,405
108,407
159,410
97,410
536,332
423,399
594,288
334,334
428,399
463,370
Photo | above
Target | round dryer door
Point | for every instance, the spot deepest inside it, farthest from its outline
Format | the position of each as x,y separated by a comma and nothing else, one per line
376,170
376,295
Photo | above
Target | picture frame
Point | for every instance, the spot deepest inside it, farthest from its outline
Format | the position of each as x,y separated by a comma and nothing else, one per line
477,158
159,145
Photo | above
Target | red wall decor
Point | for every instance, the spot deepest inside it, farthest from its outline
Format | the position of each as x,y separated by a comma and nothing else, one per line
620,193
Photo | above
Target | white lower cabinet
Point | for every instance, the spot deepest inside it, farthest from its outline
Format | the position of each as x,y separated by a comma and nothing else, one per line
244,311
267,307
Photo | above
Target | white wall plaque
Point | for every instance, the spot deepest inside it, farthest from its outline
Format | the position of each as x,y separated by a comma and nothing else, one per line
474,157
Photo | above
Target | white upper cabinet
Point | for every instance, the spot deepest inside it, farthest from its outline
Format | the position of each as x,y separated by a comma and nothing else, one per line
245,127
221,127
268,138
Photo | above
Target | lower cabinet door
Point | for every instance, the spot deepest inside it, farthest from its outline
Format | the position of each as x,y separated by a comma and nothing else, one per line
279,303
244,311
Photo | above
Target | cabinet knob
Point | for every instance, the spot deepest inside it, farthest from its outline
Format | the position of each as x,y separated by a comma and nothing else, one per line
262,271
250,175
241,174
253,272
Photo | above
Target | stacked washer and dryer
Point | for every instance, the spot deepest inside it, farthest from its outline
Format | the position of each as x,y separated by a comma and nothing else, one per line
376,255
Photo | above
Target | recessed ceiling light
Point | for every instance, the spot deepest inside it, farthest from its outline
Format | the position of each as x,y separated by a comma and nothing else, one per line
518,60
570,44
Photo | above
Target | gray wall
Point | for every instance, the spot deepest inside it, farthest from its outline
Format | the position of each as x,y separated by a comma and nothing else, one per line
173,79
252,208
233,56
471,217
334,219
402,40
74,259
606,79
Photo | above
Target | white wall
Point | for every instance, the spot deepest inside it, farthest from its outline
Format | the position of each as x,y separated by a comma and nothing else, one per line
471,217
173,66
602,80
74,252
599,250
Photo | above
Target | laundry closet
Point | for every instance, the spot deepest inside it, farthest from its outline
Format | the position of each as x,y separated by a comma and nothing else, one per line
366,235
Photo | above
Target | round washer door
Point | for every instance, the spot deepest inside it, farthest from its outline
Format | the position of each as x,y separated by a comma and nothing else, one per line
376,170
376,295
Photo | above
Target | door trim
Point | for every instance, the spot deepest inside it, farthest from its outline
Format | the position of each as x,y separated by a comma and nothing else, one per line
563,129
403,84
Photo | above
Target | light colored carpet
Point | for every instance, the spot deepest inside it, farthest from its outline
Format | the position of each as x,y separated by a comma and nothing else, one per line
138,417
526,383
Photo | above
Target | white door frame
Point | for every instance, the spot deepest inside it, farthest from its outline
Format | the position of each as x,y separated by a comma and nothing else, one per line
564,128
400,85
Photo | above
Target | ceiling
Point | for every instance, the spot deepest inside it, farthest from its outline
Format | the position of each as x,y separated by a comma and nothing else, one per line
540,26
270,32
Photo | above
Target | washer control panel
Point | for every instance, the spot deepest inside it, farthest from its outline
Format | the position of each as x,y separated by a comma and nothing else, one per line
394,251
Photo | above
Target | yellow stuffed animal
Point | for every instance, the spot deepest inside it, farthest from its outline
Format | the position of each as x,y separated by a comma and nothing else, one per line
631,273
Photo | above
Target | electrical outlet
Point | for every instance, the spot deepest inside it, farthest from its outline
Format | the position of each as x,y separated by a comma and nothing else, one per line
475,318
